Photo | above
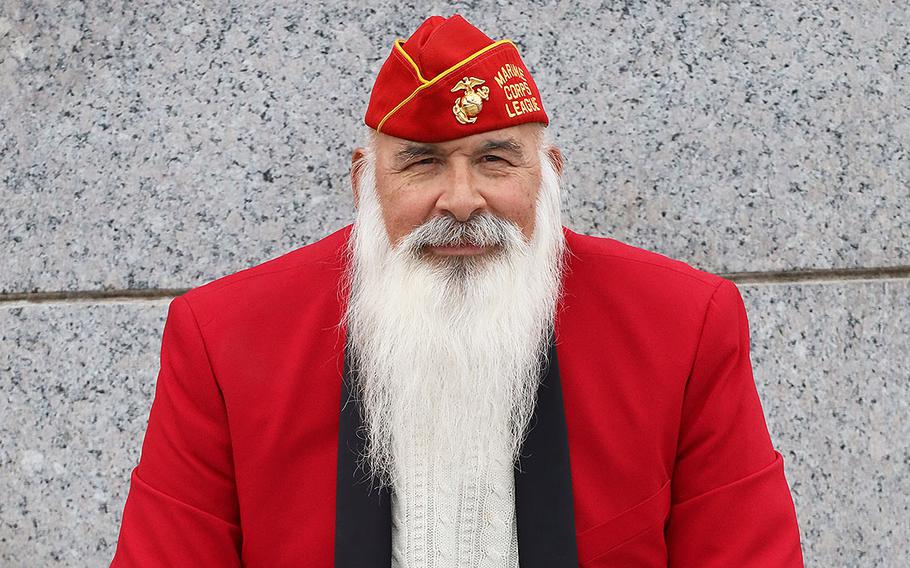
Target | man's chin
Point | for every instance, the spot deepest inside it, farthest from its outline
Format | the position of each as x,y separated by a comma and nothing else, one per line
461,259
456,272
466,251
458,250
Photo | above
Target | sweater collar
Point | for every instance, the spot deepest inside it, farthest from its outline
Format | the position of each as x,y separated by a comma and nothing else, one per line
543,487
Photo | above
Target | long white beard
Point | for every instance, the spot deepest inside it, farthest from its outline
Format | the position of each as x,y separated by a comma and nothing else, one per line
447,352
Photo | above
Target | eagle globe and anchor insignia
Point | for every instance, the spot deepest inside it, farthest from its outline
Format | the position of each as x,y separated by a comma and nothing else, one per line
469,105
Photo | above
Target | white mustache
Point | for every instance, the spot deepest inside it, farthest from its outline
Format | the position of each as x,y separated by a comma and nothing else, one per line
483,230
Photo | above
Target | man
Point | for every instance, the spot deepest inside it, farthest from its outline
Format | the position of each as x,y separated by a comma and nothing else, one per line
456,379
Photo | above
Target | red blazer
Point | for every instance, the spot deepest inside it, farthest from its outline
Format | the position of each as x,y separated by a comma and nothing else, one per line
670,459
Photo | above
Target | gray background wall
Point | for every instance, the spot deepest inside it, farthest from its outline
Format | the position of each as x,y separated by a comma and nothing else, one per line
150,147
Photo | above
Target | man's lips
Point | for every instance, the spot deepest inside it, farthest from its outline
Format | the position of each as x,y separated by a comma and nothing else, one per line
459,250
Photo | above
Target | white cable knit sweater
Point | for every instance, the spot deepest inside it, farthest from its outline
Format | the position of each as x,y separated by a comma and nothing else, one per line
442,522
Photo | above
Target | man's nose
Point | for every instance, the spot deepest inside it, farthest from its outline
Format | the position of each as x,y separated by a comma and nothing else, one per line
461,197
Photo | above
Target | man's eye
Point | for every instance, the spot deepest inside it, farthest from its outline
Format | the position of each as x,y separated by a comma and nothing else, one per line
425,161
492,158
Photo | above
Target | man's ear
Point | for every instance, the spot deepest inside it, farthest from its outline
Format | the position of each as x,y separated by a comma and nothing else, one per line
356,166
555,155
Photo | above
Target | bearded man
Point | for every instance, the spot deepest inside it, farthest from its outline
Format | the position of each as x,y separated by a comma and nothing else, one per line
456,379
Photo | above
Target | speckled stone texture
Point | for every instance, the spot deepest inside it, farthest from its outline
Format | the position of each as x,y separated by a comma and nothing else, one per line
163,144
157,145
832,366
76,384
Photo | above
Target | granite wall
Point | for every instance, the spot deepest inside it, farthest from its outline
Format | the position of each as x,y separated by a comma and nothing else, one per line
148,147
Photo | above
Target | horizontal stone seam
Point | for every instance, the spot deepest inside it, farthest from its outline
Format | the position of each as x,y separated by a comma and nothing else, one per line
799,276
820,275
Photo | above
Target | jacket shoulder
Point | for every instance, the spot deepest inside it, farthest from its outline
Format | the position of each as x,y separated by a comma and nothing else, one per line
273,281
617,258
645,302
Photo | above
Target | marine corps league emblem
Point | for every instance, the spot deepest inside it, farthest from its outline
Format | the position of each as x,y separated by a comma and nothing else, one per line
469,105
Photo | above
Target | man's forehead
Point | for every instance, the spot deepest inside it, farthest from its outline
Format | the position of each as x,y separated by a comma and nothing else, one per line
516,140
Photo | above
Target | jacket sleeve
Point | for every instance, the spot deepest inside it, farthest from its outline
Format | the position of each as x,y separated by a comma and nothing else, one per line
182,509
730,501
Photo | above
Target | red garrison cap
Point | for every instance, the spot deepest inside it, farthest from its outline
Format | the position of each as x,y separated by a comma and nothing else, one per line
450,80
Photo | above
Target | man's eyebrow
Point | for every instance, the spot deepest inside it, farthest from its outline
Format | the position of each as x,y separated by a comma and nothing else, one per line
509,145
411,151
